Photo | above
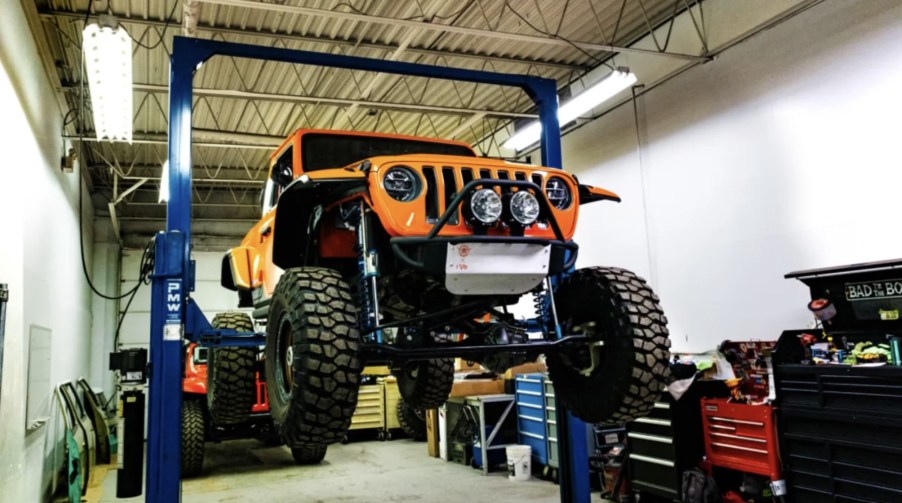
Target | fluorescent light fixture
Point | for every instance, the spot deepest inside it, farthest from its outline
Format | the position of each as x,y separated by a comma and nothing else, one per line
164,183
108,56
590,98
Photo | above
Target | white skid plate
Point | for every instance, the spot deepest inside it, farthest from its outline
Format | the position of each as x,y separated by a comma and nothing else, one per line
495,268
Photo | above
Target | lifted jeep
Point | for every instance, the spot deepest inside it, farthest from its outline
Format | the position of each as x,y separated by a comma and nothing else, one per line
409,250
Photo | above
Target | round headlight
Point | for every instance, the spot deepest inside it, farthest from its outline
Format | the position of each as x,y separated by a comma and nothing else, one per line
524,207
486,206
401,184
558,193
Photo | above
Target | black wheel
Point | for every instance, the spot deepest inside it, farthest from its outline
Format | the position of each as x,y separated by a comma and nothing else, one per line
231,375
426,384
193,435
310,454
312,368
380,435
620,379
413,421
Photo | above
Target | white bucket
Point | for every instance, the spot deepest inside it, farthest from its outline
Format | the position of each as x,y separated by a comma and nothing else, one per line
519,462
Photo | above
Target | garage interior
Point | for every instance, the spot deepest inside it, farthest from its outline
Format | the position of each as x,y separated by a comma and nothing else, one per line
739,236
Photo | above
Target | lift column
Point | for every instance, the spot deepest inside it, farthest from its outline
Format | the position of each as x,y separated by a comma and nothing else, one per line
172,281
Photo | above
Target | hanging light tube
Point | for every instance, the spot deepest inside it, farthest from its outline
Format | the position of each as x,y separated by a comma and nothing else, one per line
590,98
108,57
164,183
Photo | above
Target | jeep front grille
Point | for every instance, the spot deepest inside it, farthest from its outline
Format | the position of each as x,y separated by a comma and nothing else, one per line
442,184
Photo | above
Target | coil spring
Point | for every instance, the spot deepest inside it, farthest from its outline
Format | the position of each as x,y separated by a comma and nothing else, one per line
540,303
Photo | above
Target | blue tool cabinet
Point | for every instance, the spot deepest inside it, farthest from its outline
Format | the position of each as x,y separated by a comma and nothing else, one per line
531,415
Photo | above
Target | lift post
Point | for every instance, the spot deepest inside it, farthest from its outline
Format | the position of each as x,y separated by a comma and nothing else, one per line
172,315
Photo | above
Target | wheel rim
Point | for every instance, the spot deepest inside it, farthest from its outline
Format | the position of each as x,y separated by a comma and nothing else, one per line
587,359
286,357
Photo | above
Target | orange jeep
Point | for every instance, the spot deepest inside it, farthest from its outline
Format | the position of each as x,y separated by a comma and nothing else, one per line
230,420
410,250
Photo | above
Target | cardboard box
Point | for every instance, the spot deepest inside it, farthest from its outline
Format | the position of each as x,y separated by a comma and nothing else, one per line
432,435
526,368
471,387
461,365
376,371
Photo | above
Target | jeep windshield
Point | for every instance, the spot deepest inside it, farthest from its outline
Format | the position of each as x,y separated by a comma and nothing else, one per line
323,151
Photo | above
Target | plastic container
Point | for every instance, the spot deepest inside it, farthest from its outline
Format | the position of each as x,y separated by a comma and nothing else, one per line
519,462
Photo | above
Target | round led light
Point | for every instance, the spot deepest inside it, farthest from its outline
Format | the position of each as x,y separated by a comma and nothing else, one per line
524,207
558,193
486,206
401,184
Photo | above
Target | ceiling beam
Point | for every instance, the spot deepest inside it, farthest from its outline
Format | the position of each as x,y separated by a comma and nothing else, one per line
406,40
202,138
465,125
446,28
286,98
268,35
190,16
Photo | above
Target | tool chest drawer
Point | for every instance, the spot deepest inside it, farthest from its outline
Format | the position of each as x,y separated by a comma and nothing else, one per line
840,432
531,426
668,440
741,437
370,411
653,445
652,455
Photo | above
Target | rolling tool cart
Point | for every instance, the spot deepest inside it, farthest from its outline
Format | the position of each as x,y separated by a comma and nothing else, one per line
370,411
741,437
531,415
669,441
841,423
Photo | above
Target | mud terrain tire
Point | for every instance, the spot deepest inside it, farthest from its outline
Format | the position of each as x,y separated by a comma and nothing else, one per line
426,384
412,421
232,375
312,366
311,454
193,433
618,308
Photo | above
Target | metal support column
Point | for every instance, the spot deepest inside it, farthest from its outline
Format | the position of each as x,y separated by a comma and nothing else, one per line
172,280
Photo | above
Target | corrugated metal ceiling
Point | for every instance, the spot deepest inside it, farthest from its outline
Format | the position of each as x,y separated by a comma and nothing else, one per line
222,172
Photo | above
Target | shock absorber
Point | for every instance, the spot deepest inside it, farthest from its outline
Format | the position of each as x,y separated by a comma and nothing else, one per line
543,301
369,271
540,303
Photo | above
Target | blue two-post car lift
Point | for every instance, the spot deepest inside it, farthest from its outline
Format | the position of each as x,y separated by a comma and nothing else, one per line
175,317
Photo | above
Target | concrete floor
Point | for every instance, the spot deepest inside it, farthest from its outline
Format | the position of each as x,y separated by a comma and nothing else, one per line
364,471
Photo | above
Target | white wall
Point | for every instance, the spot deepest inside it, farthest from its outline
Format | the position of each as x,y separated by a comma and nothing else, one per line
105,276
12,410
208,294
41,240
779,155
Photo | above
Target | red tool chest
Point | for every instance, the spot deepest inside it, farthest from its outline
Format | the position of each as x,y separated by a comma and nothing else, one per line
741,437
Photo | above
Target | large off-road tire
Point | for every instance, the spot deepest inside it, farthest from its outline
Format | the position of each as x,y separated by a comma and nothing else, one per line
193,436
310,454
426,384
312,367
231,375
412,421
617,308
